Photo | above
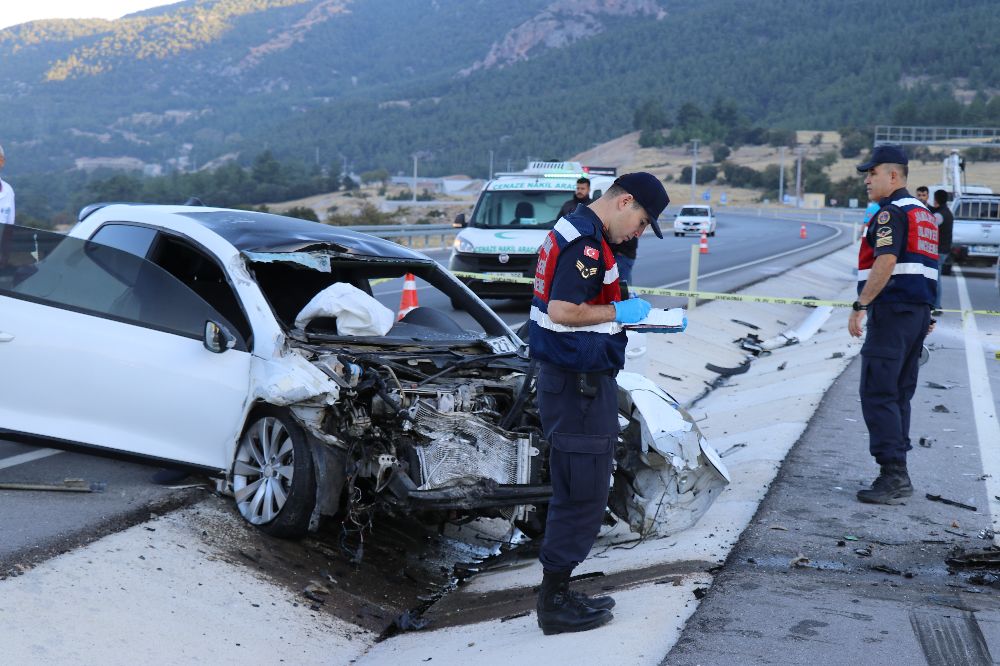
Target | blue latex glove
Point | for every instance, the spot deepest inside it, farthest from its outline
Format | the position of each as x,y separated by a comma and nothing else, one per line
631,311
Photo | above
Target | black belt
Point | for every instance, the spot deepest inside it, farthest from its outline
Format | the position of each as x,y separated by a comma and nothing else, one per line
611,372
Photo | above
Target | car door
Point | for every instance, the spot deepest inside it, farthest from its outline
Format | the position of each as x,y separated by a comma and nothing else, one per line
105,349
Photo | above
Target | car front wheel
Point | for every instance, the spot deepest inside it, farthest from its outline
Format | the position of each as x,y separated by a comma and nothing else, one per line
273,477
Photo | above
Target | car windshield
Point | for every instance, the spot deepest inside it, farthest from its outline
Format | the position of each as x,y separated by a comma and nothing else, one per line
691,211
290,280
519,209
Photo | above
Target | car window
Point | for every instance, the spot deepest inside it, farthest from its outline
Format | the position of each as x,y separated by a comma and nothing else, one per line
519,209
90,278
126,237
203,275
694,212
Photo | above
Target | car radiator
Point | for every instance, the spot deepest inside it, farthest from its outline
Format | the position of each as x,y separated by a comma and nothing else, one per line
463,448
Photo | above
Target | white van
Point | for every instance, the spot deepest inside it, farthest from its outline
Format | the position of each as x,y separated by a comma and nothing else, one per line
514,213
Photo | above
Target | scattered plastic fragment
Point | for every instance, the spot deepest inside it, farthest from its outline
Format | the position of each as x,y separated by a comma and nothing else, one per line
700,592
987,533
935,385
781,528
799,560
782,366
678,379
927,442
863,552
851,420
745,323
850,537
950,502
886,569
728,372
836,355
732,448
941,409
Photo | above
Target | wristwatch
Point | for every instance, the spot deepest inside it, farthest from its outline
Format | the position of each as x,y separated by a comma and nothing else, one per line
856,306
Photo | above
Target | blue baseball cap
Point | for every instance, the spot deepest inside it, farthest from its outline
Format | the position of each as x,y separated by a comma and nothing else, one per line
884,155
649,192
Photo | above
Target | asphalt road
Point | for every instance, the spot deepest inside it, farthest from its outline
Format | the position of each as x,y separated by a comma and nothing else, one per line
850,583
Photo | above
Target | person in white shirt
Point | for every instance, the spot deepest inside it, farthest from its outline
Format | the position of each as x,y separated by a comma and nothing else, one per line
6,196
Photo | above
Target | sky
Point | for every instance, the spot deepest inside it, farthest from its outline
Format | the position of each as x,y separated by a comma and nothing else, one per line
21,11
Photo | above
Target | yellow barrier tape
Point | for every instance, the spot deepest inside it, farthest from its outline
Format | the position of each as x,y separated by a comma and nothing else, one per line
706,295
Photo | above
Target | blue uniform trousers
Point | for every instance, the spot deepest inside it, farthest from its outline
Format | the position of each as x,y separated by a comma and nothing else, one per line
890,360
582,432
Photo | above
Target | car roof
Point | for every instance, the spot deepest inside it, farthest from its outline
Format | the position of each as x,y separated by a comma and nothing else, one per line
252,231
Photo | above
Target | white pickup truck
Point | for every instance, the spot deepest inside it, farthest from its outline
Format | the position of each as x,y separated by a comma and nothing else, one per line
976,234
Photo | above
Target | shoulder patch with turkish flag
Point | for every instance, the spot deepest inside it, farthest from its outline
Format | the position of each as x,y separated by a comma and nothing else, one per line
591,252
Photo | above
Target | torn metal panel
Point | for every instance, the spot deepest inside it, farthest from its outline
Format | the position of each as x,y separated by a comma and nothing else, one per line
679,474
292,379
318,261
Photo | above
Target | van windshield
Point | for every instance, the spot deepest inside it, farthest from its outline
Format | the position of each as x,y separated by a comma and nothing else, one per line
519,209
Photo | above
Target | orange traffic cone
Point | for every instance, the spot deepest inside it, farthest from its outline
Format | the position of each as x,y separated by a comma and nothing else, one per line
703,245
409,300
802,231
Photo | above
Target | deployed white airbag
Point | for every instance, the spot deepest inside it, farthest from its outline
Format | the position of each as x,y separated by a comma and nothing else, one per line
357,313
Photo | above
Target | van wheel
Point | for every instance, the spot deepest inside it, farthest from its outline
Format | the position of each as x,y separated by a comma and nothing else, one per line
274,482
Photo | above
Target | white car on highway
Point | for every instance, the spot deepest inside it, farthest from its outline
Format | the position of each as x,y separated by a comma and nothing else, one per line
693,219
250,347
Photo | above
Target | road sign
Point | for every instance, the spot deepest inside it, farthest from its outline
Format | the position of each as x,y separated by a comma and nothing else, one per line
723,199
707,195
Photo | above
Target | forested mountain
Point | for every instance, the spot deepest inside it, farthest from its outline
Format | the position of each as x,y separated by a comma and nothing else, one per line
370,82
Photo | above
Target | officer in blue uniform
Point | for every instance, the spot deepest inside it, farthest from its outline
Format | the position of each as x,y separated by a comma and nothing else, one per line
576,336
897,284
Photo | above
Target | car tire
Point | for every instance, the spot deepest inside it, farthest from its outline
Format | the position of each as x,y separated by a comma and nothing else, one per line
677,234
274,480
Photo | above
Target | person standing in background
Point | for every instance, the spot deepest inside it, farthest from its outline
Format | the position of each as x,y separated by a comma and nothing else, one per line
945,221
923,194
6,195
580,198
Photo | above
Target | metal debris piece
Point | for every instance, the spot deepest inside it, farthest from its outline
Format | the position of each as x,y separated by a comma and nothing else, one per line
886,569
950,502
745,323
987,533
987,579
927,442
67,486
515,616
941,409
678,379
975,558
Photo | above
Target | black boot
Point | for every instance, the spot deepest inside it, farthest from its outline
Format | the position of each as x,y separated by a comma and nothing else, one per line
604,602
559,611
891,487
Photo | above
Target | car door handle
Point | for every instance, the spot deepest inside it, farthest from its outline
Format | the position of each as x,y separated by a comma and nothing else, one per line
5,337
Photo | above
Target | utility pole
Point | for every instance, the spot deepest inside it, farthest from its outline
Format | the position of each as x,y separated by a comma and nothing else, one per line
781,177
414,178
694,167
798,177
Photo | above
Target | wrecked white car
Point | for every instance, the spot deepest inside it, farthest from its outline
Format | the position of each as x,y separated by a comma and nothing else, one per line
254,347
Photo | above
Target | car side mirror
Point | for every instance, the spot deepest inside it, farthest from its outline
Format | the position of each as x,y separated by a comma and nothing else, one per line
217,338
459,222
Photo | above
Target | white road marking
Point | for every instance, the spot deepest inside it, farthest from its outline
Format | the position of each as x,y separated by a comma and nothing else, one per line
702,276
983,406
27,457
